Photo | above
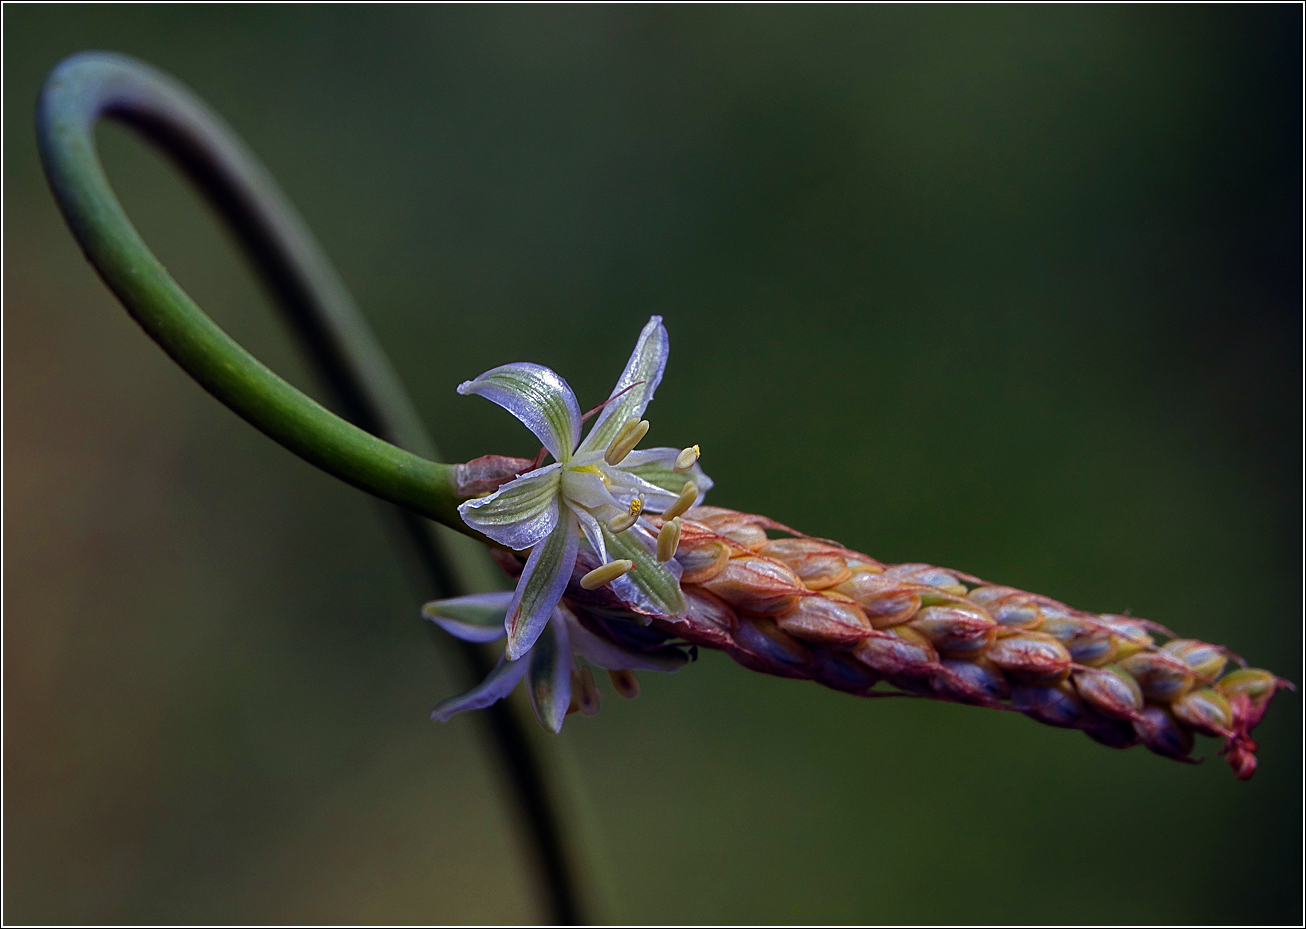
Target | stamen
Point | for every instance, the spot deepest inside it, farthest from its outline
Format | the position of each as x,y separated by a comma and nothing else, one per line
686,499
624,442
588,691
621,522
637,505
685,460
625,683
606,574
668,540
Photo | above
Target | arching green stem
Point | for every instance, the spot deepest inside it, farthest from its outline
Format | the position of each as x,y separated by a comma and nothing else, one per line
385,450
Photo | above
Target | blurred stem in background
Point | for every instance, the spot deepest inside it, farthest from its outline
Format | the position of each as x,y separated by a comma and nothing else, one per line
383,448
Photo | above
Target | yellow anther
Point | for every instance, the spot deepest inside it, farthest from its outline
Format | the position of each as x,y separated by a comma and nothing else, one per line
636,505
625,683
621,522
624,442
685,460
686,499
606,574
668,540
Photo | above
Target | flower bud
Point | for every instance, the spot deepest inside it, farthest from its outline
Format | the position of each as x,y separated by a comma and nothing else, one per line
1057,705
1253,682
1032,658
1110,690
977,681
741,528
700,557
825,619
885,600
1113,733
1205,710
1130,635
779,652
954,632
817,564
838,670
758,585
897,651
1206,660
1088,641
1161,733
928,574
1163,677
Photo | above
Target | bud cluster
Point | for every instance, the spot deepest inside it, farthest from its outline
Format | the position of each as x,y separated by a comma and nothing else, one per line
808,608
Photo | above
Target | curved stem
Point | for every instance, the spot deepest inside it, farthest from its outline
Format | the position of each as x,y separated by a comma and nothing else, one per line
87,87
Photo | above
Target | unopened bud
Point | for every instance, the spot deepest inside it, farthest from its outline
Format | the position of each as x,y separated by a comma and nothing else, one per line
1031,657
758,585
1088,641
818,565
1206,710
1159,731
1205,659
956,633
1110,691
1163,677
1250,681
825,619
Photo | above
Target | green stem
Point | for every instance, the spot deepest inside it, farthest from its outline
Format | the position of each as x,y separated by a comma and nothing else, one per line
87,87
90,86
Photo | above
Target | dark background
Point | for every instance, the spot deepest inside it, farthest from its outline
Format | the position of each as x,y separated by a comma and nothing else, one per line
1012,290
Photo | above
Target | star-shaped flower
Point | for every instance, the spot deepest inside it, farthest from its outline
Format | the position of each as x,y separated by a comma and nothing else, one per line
553,674
591,497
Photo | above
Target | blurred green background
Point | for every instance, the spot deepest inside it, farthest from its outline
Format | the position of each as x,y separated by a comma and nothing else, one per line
1012,290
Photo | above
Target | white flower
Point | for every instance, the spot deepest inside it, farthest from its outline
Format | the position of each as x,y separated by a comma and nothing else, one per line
588,495
550,666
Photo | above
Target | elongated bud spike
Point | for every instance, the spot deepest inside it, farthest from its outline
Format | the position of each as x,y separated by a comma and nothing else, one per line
685,460
621,522
624,442
668,539
606,574
686,499
625,683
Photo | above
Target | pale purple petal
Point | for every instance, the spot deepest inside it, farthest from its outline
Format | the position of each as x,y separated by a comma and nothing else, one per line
613,657
497,685
651,586
656,465
593,534
549,680
473,618
537,396
645,369
626,485
519,513
540,587
585,488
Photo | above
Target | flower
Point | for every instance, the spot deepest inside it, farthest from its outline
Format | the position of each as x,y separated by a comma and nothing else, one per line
591,498
550,666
